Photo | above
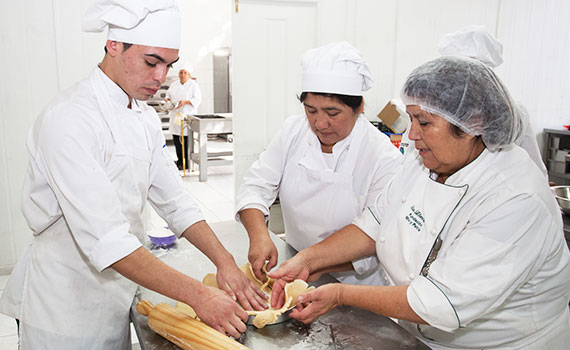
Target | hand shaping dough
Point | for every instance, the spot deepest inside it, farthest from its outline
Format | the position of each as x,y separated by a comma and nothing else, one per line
292,291
265,317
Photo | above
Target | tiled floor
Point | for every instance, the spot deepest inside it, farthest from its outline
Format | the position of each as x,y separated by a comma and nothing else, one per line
215,197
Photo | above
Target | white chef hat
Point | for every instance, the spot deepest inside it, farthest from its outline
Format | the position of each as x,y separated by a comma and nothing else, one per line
336,68
472,41
187,67
142,22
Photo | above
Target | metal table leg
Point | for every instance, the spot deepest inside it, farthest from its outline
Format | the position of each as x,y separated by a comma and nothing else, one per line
203,156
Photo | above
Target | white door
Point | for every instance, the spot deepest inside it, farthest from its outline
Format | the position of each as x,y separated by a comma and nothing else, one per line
268,39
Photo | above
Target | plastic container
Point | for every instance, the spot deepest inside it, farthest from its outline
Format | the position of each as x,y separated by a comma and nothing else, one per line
395,138
162,241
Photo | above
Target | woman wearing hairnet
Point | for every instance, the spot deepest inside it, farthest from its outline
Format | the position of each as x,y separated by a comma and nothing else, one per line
327,165
467,231
476,42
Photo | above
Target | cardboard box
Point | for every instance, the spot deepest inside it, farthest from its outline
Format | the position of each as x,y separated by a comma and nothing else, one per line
393,117
389,114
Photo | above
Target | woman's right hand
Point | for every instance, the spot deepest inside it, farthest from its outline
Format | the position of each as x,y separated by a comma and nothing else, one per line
218,310
288,271
262,249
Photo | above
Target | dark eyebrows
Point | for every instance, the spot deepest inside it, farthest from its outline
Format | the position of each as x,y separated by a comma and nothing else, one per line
159,58
325,108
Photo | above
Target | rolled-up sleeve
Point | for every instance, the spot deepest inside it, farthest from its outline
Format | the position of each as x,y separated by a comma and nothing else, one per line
424,296
368,222
167,194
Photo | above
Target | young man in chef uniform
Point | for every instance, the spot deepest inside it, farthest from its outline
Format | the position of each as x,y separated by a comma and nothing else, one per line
96,156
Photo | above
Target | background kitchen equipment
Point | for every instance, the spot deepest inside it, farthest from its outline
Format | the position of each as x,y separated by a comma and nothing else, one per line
556,150
562,195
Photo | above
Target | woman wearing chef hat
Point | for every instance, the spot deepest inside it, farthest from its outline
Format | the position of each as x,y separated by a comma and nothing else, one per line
468,231
476,42
326,165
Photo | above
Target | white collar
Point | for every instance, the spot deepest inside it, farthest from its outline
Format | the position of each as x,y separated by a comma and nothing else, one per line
463,175
115,92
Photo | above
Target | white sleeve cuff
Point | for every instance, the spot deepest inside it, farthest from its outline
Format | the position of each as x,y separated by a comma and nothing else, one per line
114,246
430,303
368,222
182,223
262,208
365,265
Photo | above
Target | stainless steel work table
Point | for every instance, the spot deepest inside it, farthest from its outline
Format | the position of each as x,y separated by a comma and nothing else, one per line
204,125
341,328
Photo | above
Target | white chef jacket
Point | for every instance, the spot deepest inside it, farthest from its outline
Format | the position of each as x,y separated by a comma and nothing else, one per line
318,199
526,139
93,165
502,276
189,91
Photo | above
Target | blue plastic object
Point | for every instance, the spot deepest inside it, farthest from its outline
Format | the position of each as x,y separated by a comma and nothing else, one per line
163,242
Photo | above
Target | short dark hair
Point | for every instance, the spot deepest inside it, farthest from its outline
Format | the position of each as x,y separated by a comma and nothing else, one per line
125,47
456,131
353,102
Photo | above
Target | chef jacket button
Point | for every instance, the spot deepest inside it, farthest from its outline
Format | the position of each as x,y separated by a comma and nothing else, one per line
433,231
403,199
411,276
382,240
461,192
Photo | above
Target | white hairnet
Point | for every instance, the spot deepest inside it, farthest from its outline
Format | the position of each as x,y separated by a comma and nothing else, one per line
467,94
472,41
142,22
336,68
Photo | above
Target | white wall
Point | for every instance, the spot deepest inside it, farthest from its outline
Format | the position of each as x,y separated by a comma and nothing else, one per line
44,52
536,40
397,36
206,26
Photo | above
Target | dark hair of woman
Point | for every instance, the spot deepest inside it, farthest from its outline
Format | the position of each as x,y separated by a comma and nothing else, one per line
353,102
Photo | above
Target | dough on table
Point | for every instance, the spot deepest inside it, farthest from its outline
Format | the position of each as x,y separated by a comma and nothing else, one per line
210,280
292,291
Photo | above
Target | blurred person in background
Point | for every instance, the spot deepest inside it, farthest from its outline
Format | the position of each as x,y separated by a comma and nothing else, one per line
186,96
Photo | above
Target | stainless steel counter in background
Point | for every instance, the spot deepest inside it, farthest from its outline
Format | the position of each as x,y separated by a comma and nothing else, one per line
342,328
